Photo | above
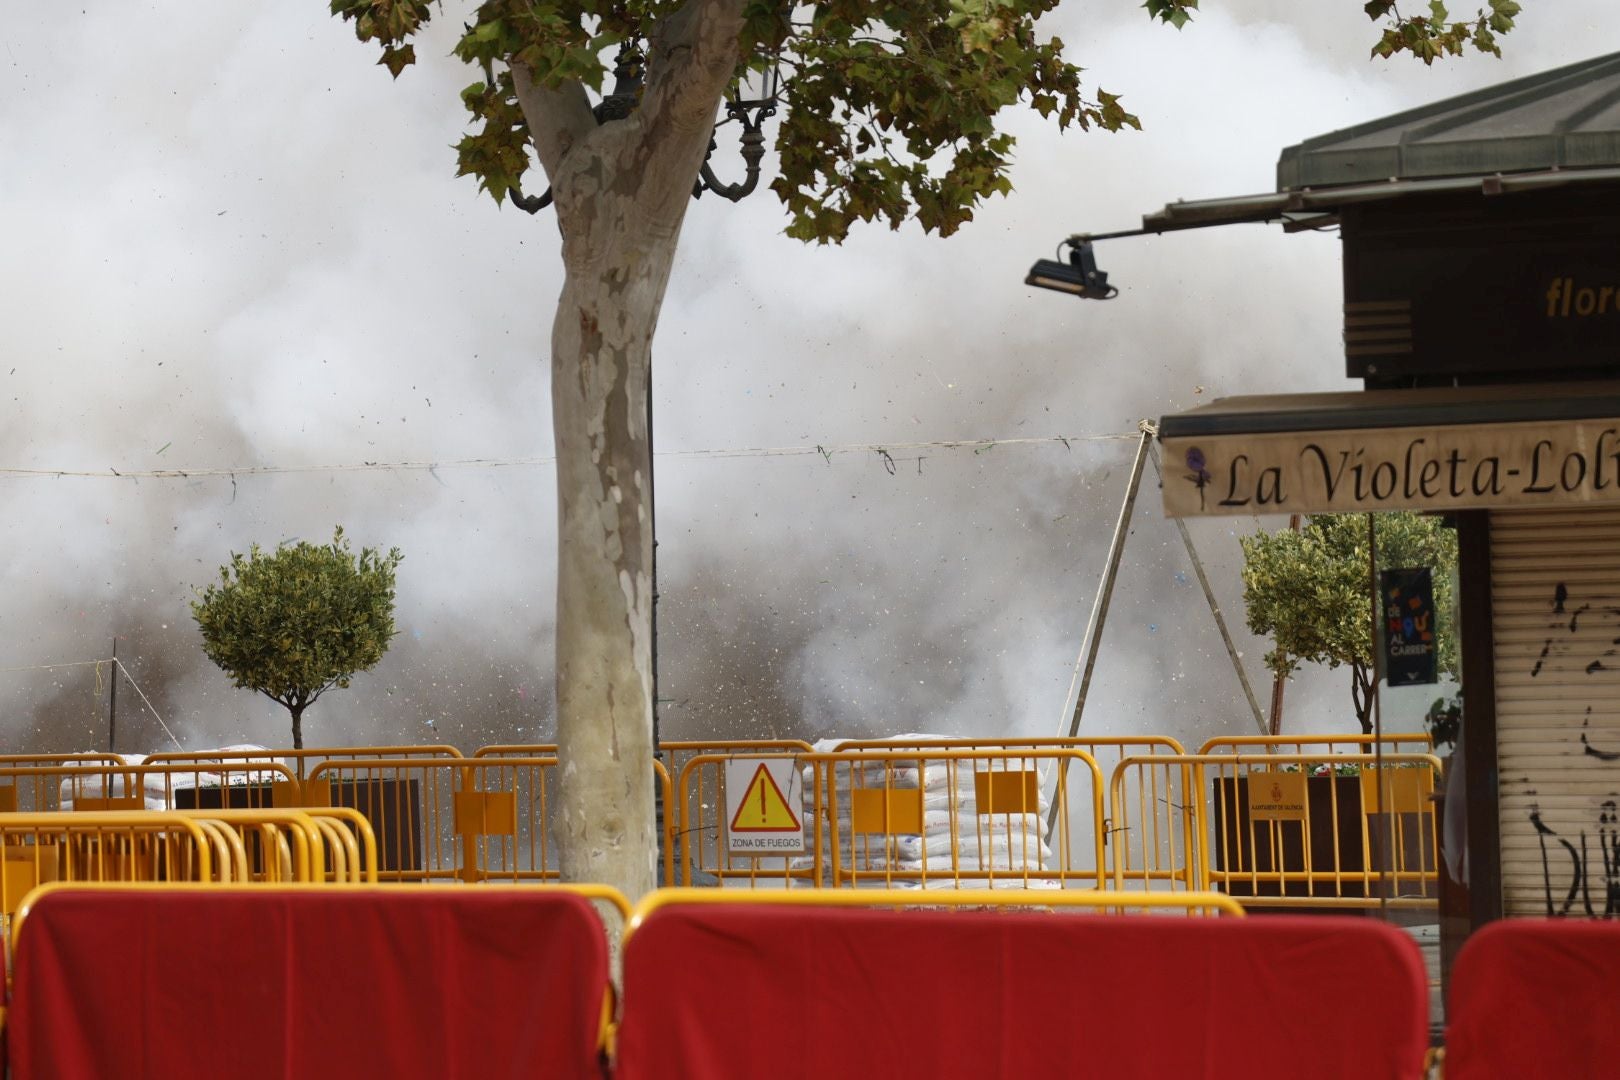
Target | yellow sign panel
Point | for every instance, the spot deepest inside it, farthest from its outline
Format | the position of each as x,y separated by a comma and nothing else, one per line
1276,796
892,812
1406,791
1007,792
486,813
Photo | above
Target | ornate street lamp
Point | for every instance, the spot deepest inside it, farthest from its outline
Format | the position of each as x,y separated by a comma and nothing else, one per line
751,101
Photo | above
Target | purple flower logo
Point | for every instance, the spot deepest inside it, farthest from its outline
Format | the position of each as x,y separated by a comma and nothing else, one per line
1199,475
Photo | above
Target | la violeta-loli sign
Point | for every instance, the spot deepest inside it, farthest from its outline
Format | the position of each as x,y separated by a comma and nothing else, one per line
1455,467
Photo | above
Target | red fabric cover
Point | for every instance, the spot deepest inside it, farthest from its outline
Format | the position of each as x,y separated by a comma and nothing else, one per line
1535,998
340,982
789,992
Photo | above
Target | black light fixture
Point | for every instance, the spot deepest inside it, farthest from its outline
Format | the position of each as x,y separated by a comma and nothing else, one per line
1077,277
751,102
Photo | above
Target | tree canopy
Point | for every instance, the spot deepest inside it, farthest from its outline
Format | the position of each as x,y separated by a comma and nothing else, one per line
298,621
1310,592
889,108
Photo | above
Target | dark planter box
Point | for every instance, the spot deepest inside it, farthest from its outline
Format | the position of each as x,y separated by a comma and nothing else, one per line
227,797
1280,846
232,797
393,807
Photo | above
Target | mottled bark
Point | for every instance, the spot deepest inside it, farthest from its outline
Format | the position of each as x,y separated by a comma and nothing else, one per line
621,192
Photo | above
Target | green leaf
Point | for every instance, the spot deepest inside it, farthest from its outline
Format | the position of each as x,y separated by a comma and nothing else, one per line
397,57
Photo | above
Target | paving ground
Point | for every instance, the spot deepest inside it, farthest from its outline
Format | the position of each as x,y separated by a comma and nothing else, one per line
1427,937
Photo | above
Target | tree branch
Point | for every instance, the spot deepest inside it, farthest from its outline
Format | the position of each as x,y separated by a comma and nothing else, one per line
692,57
559,117
1361,694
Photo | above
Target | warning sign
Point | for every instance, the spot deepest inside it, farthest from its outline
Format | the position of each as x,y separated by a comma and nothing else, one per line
764,799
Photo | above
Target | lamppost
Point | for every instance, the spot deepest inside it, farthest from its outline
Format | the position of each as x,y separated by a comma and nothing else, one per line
751,100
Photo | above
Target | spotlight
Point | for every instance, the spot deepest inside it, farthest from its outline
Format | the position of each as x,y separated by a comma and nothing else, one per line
1079,277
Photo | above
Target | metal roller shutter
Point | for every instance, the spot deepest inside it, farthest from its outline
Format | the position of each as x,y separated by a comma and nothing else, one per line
1555,596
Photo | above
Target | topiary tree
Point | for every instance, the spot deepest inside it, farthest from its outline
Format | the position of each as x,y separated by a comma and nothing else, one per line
298,621
890,112
1309,591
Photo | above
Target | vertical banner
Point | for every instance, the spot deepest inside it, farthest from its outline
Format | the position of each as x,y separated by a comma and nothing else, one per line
1409,655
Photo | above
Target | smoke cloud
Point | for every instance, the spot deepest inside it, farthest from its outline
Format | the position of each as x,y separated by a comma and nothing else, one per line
232,244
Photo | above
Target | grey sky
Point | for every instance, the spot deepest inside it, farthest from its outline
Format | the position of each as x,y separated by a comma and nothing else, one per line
230,240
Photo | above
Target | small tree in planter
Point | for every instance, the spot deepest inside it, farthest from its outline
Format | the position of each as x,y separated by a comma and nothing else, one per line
1309,592
298,621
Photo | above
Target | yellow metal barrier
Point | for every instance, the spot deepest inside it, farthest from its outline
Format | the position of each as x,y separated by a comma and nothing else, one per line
302,760
928,818
699,829
1099,747
692,811
99,788
1203,903
503,815
675,752
1107,750
1288,830
227,848
1400,743
289,845
527,852
666,793
956,818
1154,818
349,829
41,847
27,790
417,808
462,819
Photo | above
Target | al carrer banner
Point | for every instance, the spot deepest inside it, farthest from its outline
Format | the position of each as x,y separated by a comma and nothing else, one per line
1410,653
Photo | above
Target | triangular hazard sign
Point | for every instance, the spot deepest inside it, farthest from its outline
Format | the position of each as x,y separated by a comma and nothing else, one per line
763,808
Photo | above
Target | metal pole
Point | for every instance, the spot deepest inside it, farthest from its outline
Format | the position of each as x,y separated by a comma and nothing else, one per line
1099,606
112,705
1387,839
659,809
1278,682
1215,610
652,526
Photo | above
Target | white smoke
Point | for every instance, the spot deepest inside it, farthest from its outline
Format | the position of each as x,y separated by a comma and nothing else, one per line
231,241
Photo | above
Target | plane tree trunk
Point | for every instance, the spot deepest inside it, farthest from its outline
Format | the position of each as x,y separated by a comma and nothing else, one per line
620,192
